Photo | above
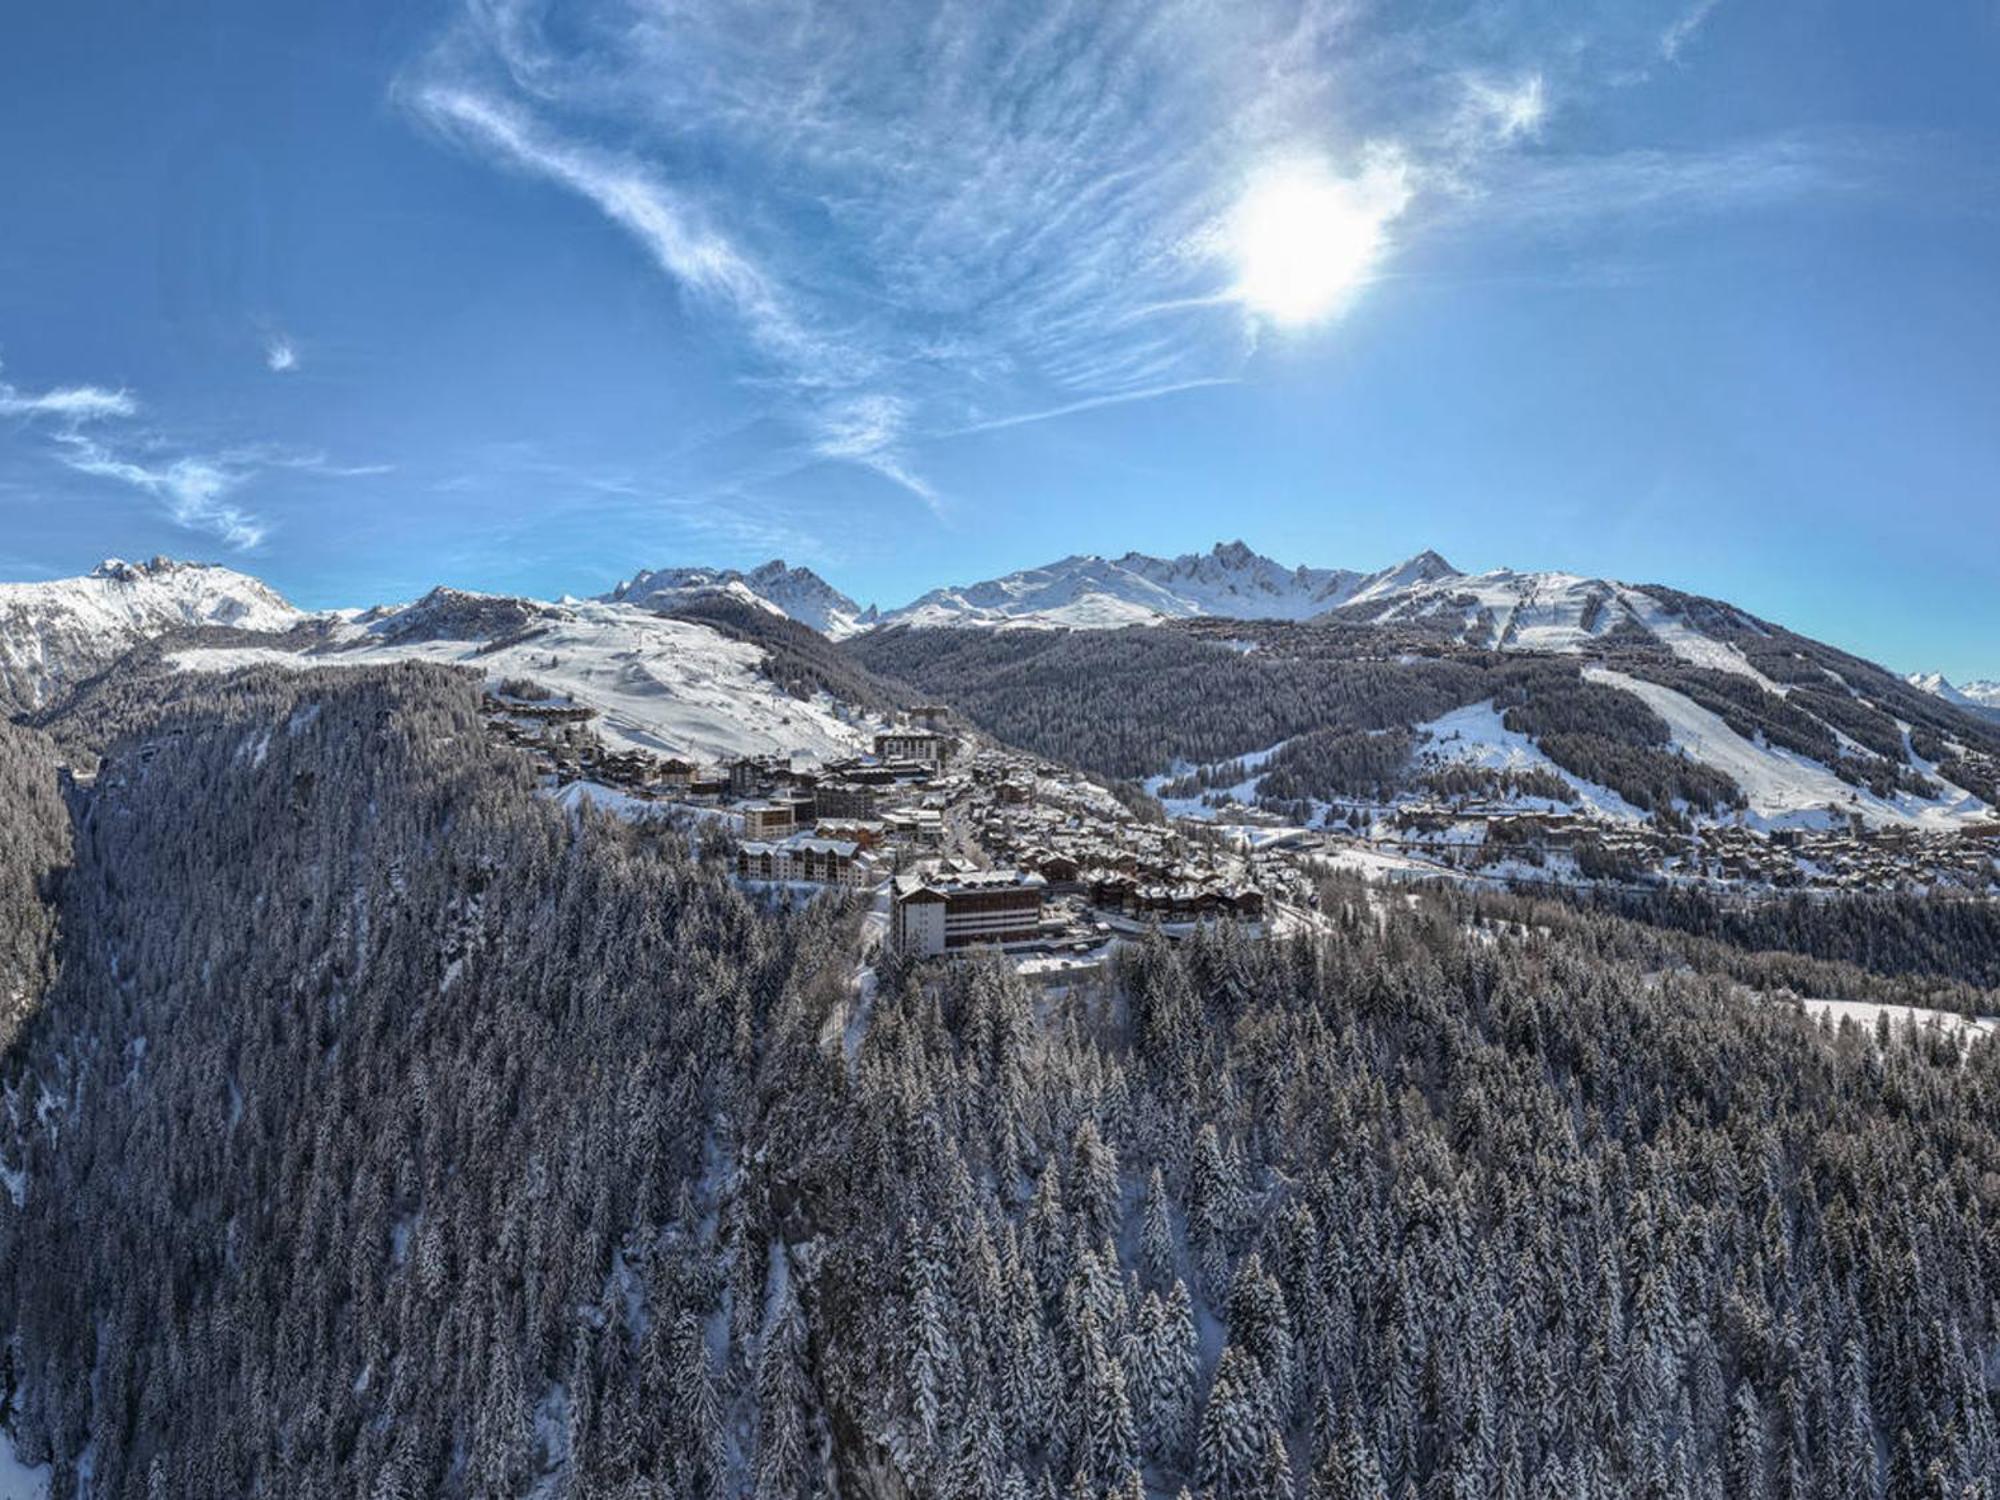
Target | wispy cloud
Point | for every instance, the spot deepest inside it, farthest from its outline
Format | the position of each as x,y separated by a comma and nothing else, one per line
1651,185
89,430
920,218
281,355
68,404
1501,113
1092,403
632,197
194,490
1682,29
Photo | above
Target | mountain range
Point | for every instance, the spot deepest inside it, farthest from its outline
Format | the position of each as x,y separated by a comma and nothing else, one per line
1981,695
714,662
797,593
55,633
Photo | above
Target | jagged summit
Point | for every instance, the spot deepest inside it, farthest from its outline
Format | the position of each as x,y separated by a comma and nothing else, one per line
798,593
1230,580
1980,694
56,632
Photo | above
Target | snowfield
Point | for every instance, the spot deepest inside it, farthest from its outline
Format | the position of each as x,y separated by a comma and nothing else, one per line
1098,593
17,1480
1865,1014
53,634
1478,736
1244,791
1558,613
1785,789
671,687
797,593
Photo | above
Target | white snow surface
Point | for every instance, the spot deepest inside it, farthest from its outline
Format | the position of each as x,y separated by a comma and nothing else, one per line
1563,613
17,1480
1503,609
1198,806
1096,593
1864,1013
55,632
1981,693
672,687
1477,735
1784,788
798,593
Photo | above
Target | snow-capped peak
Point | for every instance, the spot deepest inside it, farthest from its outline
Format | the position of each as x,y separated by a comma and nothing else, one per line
1090,592
1980,693
53,633
798,593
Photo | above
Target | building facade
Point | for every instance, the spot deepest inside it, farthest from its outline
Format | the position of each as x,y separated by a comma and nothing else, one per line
802,857
923,746
939,913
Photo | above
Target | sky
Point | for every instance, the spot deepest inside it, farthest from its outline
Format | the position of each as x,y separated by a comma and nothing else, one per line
524,297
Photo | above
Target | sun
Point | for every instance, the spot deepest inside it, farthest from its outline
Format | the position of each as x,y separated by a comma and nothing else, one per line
1304,240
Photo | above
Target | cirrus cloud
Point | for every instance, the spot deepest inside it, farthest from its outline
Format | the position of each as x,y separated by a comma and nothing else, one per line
920,219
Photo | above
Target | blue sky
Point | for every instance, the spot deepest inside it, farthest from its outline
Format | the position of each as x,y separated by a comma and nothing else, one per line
366,297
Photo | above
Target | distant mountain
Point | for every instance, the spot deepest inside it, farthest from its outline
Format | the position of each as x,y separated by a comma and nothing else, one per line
54,633
1089,592
797,593
1982,695
1500,610
448,614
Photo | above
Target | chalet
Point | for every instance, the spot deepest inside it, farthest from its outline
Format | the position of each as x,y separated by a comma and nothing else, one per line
915,825
1059,870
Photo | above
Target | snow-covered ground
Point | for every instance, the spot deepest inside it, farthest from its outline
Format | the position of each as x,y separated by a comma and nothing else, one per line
1563,613
1198,806
1378,865
1100,593
17,1480
672,687
1865,1014
1784,788
1477,735
55,632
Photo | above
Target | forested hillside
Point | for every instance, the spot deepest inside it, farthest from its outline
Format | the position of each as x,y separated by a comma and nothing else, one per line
390,1133
338,1133
1333,705
34,853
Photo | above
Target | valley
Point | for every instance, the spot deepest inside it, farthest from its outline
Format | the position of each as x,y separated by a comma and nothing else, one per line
658,1046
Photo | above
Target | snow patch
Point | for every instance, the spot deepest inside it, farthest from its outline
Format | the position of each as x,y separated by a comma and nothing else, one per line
1785,789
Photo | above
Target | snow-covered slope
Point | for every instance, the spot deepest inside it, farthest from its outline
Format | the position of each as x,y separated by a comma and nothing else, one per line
1980,695
1501,610
668,686
52,634
1089,592
1784,788
797,592
1562,613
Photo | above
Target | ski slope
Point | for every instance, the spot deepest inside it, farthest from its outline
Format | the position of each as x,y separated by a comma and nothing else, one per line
1477,735
671,687
1785,789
